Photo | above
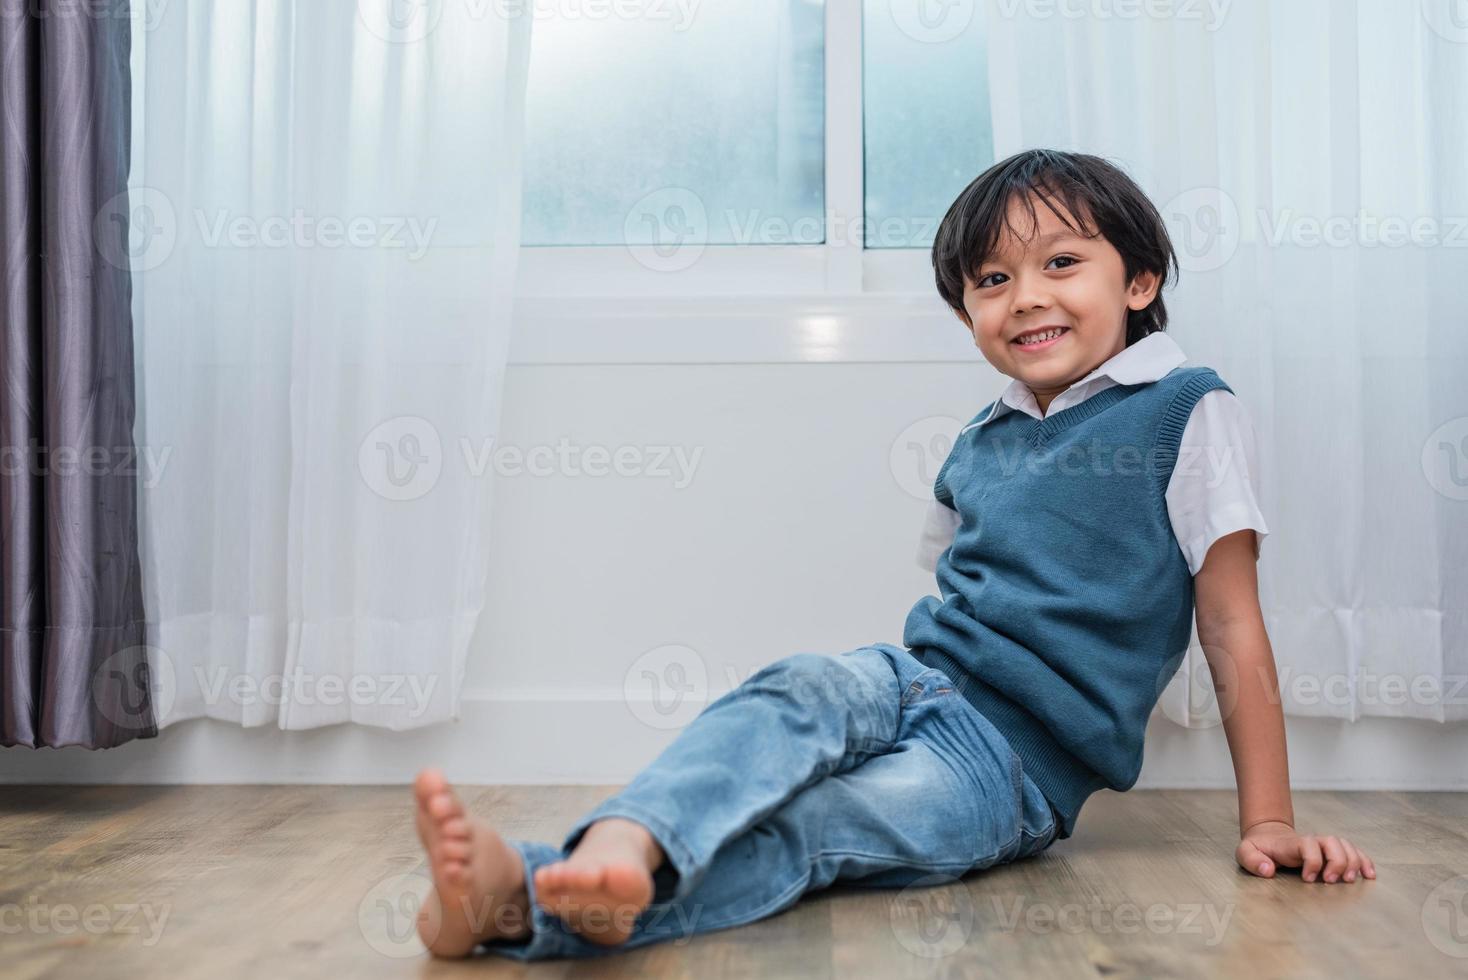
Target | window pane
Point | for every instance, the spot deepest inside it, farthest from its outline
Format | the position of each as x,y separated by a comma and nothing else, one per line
925,115
655,129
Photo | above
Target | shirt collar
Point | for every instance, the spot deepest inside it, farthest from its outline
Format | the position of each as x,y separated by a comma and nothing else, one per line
1149,359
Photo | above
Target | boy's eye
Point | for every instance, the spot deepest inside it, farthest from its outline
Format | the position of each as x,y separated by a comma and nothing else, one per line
1058,258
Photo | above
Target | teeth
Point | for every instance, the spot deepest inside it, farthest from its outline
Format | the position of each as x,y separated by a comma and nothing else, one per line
1040,337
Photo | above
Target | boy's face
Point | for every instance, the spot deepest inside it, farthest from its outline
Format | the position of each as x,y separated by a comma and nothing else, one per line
1075,283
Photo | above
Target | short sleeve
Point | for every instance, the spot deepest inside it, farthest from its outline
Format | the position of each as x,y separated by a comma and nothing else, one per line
939,527
1214,487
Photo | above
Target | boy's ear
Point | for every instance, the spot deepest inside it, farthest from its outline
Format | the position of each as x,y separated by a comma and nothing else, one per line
1143,290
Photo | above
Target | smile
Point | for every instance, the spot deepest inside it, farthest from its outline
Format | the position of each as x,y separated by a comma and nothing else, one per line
1040,339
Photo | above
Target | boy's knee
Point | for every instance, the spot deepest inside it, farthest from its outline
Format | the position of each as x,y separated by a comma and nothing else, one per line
813,679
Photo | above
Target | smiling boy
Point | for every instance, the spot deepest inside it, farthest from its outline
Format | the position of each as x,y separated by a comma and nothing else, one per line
1072,547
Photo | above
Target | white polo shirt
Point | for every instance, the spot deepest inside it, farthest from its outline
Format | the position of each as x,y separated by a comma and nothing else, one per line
1213,488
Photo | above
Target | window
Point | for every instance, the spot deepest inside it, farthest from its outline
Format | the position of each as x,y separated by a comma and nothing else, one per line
789,170
649,130
925,111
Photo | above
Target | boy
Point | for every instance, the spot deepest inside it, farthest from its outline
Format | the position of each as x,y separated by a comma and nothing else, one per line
1069,545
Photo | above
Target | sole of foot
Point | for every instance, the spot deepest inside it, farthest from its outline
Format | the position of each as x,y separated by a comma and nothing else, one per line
478,880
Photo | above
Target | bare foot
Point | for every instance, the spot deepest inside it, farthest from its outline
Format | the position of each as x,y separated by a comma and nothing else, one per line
606,882
478,879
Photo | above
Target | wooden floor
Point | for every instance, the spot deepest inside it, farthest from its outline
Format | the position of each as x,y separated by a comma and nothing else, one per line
282,881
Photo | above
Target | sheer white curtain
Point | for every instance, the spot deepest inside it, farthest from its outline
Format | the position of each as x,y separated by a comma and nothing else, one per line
326,202
1309,158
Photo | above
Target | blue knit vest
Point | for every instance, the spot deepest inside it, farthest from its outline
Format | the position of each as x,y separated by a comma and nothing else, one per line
1067,604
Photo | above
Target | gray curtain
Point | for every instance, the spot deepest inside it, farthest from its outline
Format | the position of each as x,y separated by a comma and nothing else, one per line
74,668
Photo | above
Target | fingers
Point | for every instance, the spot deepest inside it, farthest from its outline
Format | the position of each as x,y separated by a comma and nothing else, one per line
1253,860
1341,859
1325,858
1311,858
1336,859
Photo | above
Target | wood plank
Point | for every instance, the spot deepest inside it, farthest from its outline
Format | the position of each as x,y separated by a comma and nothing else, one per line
303,881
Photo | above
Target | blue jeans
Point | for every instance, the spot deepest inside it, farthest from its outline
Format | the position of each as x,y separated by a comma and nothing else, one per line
867,767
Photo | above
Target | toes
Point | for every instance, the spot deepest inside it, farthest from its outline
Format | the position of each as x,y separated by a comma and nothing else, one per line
456,850
444,805
549,877
429,783
454,828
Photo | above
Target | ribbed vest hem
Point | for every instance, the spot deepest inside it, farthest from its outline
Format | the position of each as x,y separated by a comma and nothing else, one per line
1065,780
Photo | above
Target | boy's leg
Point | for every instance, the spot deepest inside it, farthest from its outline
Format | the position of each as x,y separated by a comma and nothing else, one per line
946,798
789,725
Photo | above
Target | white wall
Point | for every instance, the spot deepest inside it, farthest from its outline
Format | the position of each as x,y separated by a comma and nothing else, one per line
794,535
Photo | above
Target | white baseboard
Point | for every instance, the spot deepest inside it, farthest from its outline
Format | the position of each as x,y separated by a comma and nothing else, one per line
594,741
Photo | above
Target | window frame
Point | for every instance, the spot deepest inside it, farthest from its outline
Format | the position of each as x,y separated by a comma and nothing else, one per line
832,302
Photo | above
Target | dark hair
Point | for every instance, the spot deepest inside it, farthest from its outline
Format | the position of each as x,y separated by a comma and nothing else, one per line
1091,189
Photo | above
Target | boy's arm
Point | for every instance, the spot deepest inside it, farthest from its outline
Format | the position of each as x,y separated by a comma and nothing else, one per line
1231,630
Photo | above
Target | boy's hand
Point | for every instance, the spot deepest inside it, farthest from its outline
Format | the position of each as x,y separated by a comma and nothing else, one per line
1274,843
